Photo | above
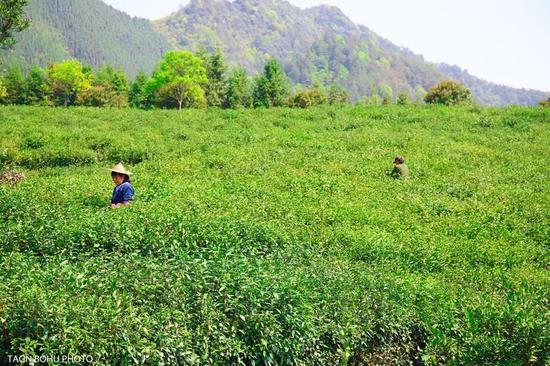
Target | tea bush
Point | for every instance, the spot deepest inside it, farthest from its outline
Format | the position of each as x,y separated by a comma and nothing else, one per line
274,237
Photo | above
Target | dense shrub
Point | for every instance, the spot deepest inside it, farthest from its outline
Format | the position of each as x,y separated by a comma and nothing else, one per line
101,96
275,237
448,92
308,98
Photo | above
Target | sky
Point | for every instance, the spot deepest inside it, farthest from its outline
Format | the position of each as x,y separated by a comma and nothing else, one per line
503,41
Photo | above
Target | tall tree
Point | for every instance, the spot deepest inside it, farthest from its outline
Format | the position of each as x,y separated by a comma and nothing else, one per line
12,19
337,95
239,93
15,85
216,72
109,88
272,87
37,89
180,76
138,96
403,99
113,79
66,80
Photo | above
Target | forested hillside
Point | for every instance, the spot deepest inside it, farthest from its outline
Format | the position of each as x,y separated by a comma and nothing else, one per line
316,46
89,30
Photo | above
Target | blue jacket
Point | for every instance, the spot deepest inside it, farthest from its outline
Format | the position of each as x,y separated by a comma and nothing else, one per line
122,193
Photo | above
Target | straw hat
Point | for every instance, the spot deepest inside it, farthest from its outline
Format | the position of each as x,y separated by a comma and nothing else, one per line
119,168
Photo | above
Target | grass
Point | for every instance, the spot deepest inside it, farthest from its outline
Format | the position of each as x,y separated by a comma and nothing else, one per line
273,237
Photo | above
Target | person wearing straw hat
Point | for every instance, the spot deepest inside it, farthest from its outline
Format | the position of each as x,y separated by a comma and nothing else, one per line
123,192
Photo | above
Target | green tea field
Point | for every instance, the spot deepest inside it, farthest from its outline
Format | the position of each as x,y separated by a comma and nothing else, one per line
277,237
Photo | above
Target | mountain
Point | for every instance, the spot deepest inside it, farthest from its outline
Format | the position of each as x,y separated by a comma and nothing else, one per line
89,30
319,45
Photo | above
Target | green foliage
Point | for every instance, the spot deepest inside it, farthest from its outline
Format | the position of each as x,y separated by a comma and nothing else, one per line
180,76
216,88
109,89
101,96
386,92
272,88
308,98
337,95
112,79
403,99
275,237
3,91
374,99
66,80
38,91
488,93
91,31
332,48
12,19
448,92
16,87
138,95
545,103
419,94
239,92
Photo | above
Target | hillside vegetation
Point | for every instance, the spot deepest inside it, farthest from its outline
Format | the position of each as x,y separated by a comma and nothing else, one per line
316,46
90,30
273,237
320,45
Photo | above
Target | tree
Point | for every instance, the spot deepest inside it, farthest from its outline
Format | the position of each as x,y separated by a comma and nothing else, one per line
66,80
448,92
272,87
216,72
419,94
15,85
138,96
109,88
387,94
37,89
403,99
12,20
545,103
180,77
308,98
374,99
112,79
239,91
337,95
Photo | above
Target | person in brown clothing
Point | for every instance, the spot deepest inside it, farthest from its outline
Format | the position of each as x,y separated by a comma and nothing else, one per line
400,170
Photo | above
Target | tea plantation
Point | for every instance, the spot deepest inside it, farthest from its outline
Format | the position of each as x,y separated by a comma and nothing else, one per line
276,237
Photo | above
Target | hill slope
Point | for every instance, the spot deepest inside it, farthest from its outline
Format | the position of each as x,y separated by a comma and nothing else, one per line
491,93
91,31
318,44
315,45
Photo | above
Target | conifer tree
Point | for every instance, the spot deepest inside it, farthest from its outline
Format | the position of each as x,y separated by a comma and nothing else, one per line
239,93
272,87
